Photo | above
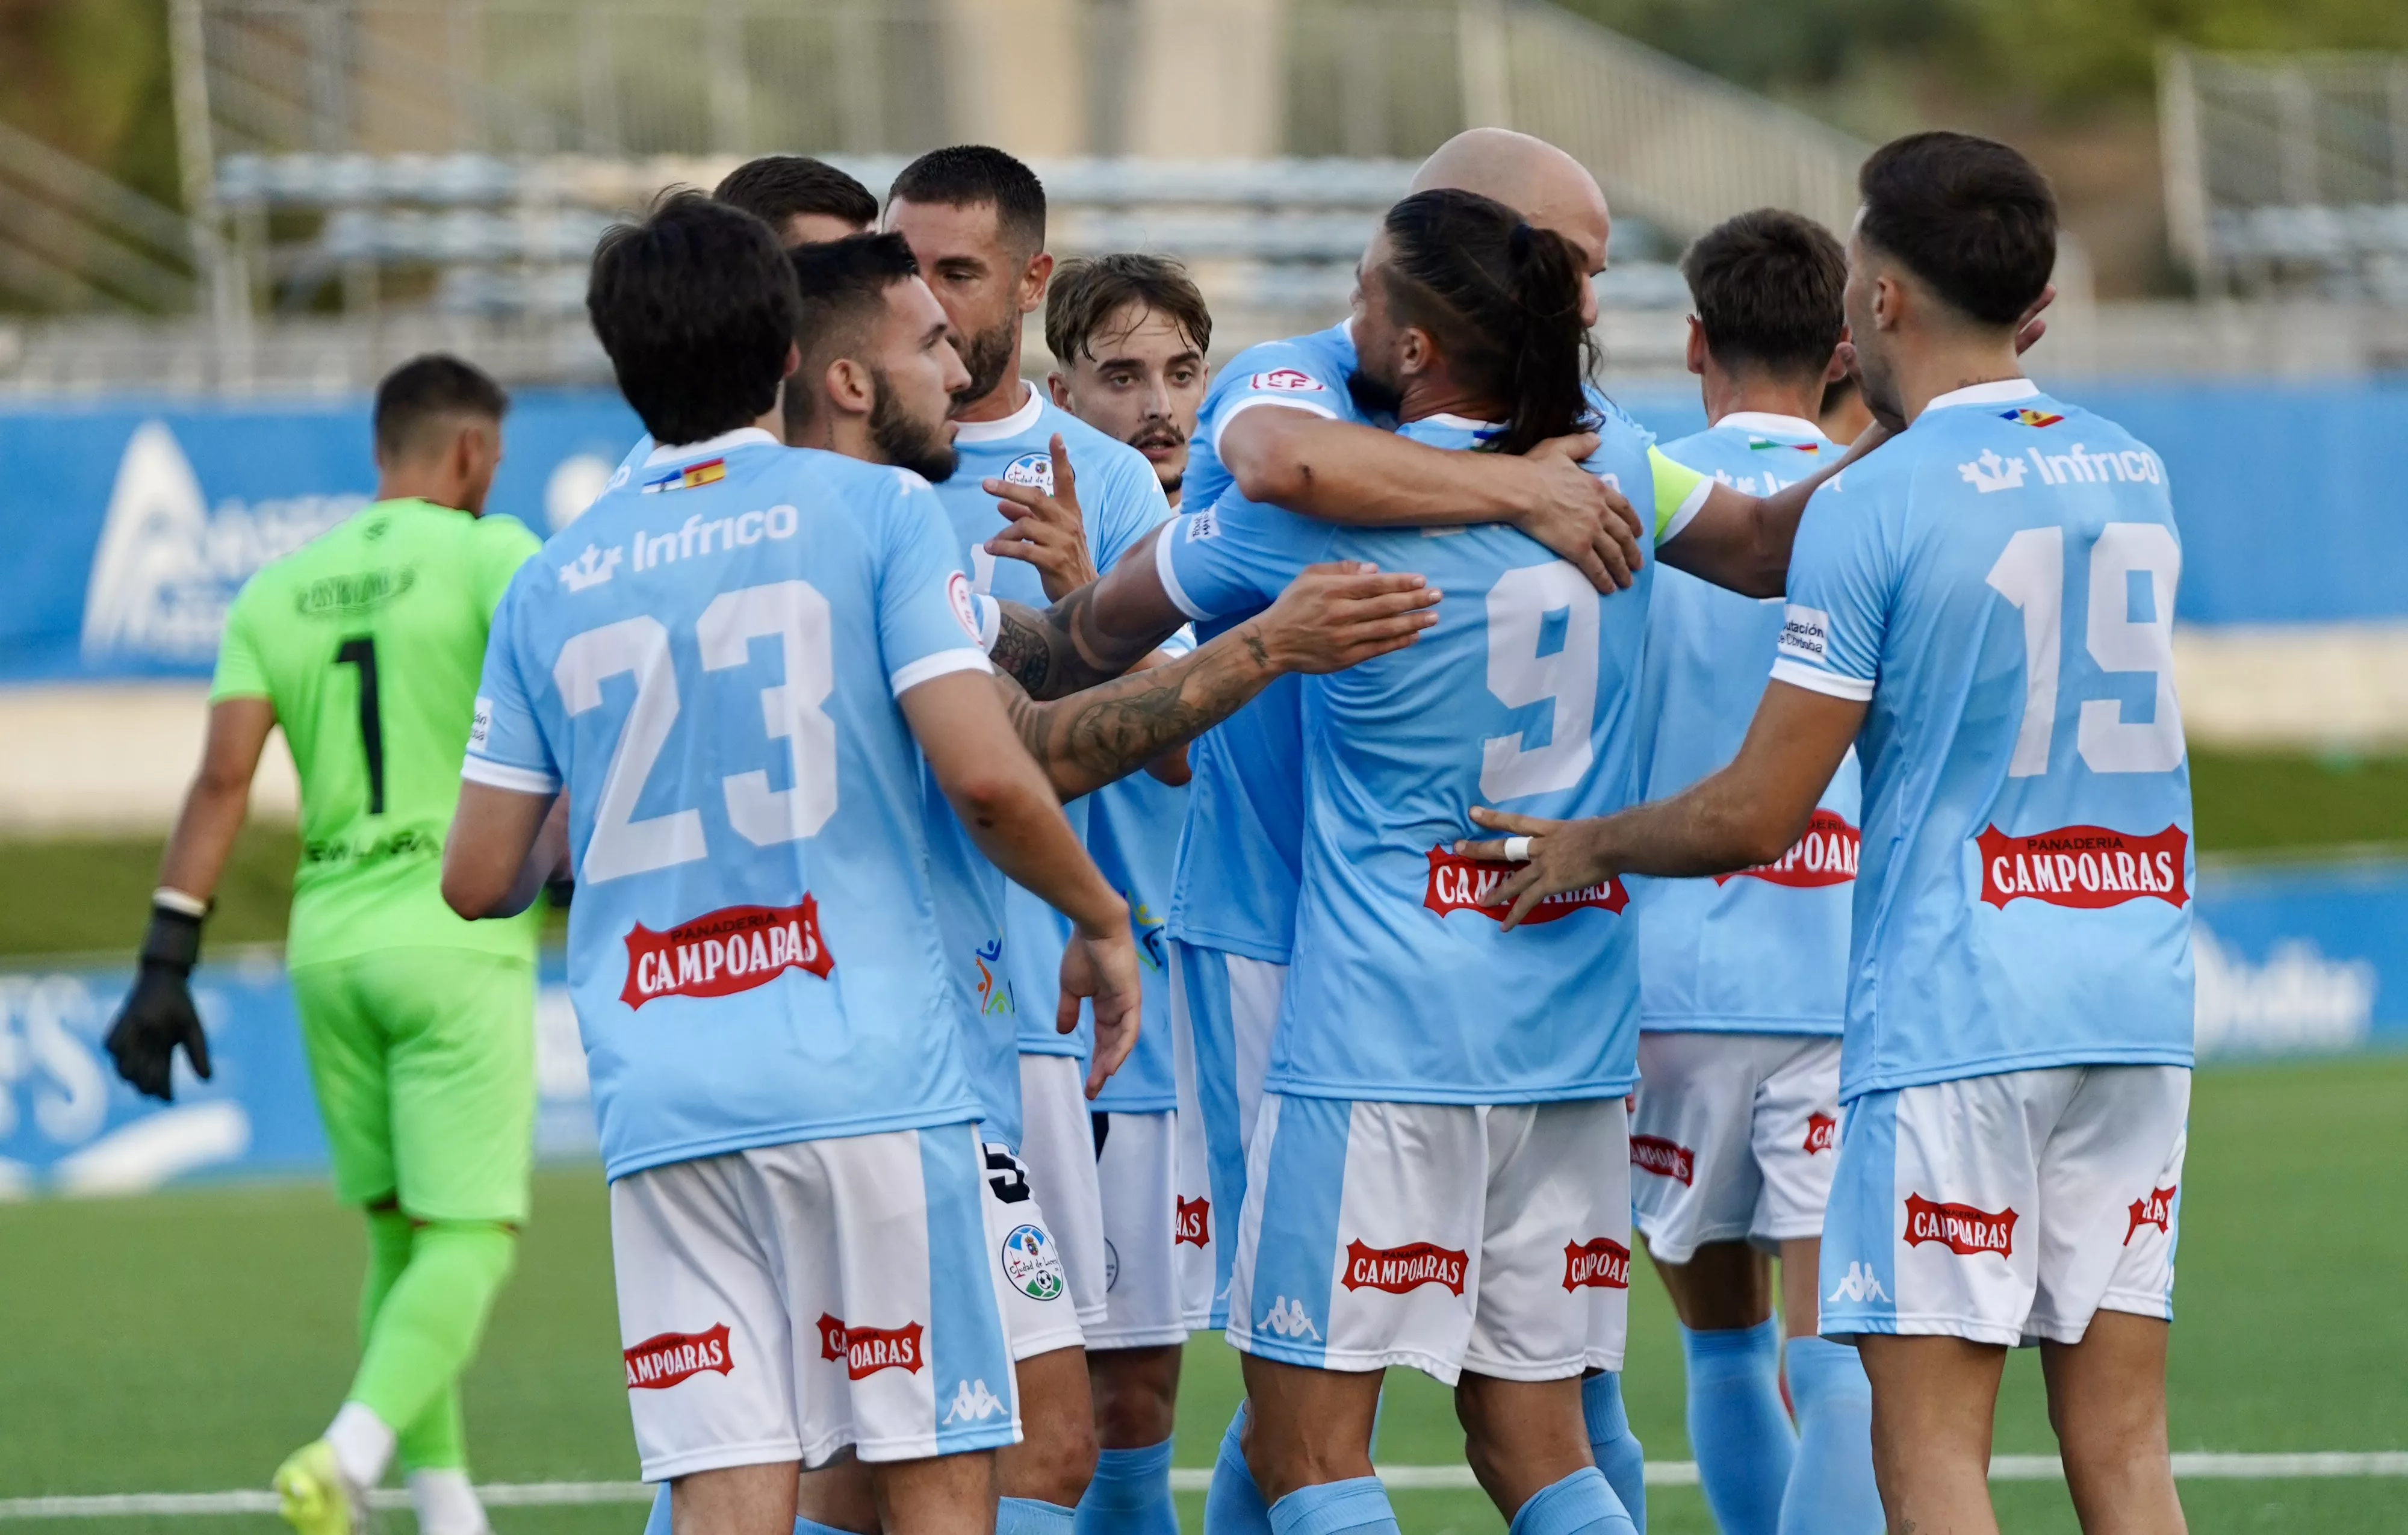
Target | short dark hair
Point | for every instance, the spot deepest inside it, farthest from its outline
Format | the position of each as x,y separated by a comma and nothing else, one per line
426,389
1971,216
843,288
967,175
696,306
1767,285
776,187
1086,294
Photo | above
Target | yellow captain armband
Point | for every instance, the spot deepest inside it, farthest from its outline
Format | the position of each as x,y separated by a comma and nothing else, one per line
1680,491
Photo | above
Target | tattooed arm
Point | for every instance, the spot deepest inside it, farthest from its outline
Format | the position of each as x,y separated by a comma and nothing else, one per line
1329,618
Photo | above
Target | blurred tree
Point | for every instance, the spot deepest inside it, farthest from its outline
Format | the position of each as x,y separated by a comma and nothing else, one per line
89,77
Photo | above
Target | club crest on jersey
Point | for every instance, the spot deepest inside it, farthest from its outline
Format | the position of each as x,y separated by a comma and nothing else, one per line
708,472
1032,470
2027,417
1457,883
1599,1263
2155,1208
2086,868
1663,1159
1288,381
725,952
663,1360
1032,1265
1400,1269
1822,1134
1826,855
1961,1228
1193,1221
866,1351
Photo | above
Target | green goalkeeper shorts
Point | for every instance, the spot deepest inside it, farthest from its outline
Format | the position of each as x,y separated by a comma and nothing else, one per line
425,1064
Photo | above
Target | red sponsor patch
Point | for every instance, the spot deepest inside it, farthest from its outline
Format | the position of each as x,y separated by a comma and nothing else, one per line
1397,1270
1601,1263
1663,1159
2089,867
2155,1208
1964,1229
1195,1222
662,1361
721,953
1288,381
1822,1133
1462,884
1826,855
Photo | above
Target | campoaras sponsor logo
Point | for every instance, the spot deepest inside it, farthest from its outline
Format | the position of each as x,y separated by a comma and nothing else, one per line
1822,1134
721,953
1663,1159
1962,1229
1462,884
866,1351
1194,1222
1399,1270
1826,855
2087,867
2155,1208
663,1360
1599,1263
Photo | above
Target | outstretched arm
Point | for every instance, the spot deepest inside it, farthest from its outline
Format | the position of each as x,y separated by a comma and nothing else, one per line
1742,541
1749,813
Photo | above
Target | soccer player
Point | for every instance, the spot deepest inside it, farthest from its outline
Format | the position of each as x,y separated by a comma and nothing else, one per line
1743,980
804,201
364,646
1984,610
729,689
1146,385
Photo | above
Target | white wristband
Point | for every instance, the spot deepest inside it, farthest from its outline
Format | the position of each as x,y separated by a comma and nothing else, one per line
1517,850
177,901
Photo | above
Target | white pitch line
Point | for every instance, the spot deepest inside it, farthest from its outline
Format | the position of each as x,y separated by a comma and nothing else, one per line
2194,1465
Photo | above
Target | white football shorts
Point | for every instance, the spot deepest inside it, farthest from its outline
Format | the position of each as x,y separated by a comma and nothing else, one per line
1733,1139
1136,1161
1440,1236
1223,1008
784,1302
2008,1209
1039,1315
1058,1145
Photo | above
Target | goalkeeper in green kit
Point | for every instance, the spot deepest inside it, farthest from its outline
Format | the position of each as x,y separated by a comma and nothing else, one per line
365,646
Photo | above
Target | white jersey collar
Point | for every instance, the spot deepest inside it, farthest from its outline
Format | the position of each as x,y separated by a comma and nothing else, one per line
743,436
1766,422
1461,424
1997,391
1012,425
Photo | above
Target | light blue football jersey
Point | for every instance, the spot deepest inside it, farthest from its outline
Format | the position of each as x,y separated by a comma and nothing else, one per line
1765,951
707,663
1999,583
1524,696
1122,502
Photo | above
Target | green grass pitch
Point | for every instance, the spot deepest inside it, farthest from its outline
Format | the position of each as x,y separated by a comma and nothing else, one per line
186,1341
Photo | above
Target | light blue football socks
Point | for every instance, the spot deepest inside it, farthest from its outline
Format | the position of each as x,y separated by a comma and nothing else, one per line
1831,1489
1581,1503
1130,1494
1615,1449
1359,1506
1738,1429
1031,1516
1234,1505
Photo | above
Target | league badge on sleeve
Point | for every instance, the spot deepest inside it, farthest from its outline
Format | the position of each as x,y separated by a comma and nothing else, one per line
1288,381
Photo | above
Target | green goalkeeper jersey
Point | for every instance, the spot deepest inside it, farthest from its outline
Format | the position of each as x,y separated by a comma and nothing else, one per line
370,640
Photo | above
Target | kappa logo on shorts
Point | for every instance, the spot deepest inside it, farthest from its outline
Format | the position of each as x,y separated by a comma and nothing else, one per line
1462,884
1599,1263
1287,1319
1663,1159
1826,855
1032,470
1822,1133
2087,867
725,952
1032,1265
2155,1208
1399,1269
1288,381
663,1360
866,1351
1194,1219
1964,1229
1858,1285
973,1402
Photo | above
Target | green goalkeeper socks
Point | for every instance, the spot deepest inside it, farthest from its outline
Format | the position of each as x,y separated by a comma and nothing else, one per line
428,1292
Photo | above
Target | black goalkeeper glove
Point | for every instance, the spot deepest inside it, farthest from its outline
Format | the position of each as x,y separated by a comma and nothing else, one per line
159,1014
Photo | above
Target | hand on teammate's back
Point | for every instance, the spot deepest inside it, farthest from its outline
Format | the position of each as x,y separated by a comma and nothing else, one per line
1102,968
159,1014
1048,530
1579,516
1334,616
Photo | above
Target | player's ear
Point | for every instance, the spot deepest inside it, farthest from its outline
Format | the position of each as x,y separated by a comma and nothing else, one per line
1058,387
793,359
849,387
1033,278
1837,368
1696,354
